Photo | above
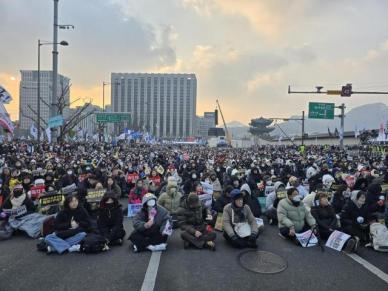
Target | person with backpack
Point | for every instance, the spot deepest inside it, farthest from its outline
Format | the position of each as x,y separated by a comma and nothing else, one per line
71,225
240,226
378,235
110,219
152,226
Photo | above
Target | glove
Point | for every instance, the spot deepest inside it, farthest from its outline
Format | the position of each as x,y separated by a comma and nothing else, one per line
234,238
360,220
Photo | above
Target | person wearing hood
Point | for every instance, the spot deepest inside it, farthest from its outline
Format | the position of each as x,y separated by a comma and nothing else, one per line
27,182
151,226
272,201
354,217
171,200
68,179
324,214
71,225
293,217
192,219
110,219
217,188
254,178
240,226
375,200
251,200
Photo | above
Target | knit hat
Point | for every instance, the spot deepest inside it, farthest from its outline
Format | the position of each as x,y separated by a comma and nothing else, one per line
235,194
245,187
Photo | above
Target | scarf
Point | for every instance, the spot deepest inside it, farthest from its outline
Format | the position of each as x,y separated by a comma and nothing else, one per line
239,212
18,201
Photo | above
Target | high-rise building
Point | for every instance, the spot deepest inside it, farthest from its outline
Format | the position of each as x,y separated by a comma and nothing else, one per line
204,123
28,91
162,104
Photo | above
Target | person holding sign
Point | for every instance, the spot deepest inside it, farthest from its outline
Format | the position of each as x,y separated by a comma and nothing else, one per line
293,217
71,225
110,219
240,226
152,226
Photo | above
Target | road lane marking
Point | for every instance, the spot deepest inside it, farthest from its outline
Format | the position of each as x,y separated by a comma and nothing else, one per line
152,271
383,276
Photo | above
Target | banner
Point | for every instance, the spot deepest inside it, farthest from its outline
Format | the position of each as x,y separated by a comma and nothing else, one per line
5,121
48,133
95,196
69,189
5,97
34,131
16,211
50,199
304,237
206,199
132,178
337,240
134,209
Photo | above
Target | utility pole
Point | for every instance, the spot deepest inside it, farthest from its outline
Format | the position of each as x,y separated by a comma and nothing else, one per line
295,119
38,95
303,127
342,116
55,65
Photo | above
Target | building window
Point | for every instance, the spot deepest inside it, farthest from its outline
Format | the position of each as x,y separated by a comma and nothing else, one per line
181,101
175,107
154,113
161,110
168,109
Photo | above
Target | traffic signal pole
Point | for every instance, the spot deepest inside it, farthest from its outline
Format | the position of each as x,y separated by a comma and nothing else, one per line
346,91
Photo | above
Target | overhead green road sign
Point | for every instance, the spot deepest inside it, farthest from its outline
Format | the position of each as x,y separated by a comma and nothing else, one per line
113,117
321,110
55,121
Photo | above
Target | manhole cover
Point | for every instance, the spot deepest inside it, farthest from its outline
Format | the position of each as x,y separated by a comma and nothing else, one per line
262,262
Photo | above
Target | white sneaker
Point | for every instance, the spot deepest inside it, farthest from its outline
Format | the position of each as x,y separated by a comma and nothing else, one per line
74,248
157,248
49,250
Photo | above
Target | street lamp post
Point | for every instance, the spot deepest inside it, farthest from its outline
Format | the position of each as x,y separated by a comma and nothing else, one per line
63,43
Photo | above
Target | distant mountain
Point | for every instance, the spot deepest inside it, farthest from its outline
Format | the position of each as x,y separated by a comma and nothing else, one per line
367,116
235,123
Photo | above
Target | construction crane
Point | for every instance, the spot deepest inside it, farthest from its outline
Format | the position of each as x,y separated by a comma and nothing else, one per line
227,134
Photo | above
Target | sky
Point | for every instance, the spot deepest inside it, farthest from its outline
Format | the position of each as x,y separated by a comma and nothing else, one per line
244,52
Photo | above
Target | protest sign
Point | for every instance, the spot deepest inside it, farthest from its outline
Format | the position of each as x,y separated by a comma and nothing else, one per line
15,212
50,199
132,178
36,191
207,188
337,240
281,194
206,199
69,189
304,237
134,209
95,196
219,222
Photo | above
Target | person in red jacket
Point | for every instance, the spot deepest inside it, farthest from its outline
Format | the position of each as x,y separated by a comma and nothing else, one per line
137,193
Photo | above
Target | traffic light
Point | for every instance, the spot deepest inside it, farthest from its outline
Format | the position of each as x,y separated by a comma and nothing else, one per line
346,90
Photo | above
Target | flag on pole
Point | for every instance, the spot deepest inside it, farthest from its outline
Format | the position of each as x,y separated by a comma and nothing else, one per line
5,97
5,121
34,131
48,133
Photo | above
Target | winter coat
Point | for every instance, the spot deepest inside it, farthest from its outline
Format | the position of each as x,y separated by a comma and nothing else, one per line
27,202
109,218
325,217
62,224
160,219
350,212
293,216
372,197
251,200
228,224
170,200
221,202
191,219
115,189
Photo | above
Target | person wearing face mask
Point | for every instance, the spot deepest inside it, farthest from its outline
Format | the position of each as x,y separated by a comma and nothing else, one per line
27,182
324,215
217,188
137,193
192,219
68,179
110,219
25,218
171,200
240,226
354,217
151,226
293,217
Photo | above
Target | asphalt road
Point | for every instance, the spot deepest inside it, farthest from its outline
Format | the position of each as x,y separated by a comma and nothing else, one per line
22,267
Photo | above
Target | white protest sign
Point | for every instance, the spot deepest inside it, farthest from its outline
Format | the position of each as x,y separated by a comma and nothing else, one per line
304,237
337,240
207,188
207,199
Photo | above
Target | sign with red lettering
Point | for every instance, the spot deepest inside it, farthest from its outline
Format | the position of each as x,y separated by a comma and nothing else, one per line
132,178
36,191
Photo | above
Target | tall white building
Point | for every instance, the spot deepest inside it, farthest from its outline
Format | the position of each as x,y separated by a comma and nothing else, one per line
28,91
162,104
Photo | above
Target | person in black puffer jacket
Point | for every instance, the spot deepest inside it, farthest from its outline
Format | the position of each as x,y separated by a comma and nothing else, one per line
324,215
71,225
375,200
110,219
